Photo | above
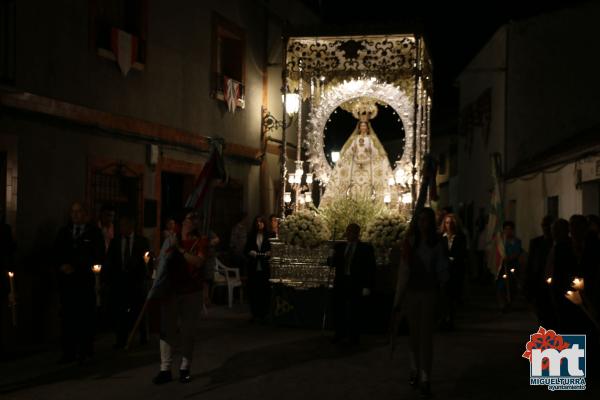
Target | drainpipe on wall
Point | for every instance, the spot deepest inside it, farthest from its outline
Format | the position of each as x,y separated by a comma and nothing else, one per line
506,104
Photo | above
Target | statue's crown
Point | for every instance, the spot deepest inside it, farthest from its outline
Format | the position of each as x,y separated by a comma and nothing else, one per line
364,109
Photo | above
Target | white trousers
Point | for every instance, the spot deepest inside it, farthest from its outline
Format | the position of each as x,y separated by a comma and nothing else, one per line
181,311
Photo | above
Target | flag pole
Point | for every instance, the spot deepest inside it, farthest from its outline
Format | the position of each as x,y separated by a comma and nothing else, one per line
136,326
427,178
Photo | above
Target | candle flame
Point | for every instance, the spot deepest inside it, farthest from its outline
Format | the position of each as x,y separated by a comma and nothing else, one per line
97,268
512,270
505,276
549,280
11,274
147,254
574,297
577,284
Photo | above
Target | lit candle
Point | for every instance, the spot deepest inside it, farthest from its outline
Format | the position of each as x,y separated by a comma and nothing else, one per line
147,257
504,276
12,298
549,280
11,278
512,270
406,198
96,269
309,178
577,284
574,297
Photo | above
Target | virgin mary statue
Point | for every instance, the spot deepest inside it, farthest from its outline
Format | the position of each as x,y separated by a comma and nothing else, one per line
363,169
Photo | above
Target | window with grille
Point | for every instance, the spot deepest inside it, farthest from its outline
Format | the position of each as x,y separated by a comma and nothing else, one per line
118,186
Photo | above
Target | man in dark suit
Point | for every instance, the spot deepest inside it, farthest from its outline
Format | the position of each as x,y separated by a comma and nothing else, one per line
79,246
536,288
354,263
125,276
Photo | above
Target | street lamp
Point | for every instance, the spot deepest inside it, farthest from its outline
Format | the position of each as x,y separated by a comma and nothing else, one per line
292,102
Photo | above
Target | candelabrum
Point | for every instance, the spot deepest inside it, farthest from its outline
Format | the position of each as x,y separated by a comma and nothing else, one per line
302,190
399,185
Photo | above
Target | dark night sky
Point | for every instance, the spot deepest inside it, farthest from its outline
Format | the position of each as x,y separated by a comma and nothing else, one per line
454,32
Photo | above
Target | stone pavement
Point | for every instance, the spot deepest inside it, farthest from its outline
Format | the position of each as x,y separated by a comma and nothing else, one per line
238,360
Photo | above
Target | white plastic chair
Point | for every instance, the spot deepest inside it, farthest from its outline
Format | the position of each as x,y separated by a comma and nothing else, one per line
230,277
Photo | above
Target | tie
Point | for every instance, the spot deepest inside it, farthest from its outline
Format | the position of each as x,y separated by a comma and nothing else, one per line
127,252
348,258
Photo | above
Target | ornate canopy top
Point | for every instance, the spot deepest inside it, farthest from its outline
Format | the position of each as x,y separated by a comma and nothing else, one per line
355,73
390,58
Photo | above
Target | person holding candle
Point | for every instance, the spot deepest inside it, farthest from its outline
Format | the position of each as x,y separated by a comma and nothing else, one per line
7,250
79,245
536,287
506,281
106,224
563,267
125,275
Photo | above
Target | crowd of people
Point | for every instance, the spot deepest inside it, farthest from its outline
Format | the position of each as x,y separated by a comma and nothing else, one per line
116,294
436,260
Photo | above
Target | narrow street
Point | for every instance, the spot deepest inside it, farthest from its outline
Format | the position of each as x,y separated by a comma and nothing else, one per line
236,359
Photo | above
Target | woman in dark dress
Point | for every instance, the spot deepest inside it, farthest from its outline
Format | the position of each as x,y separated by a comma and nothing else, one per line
258,251
423,271
456,243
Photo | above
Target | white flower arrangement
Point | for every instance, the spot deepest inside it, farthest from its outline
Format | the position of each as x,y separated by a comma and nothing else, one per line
386,230
304,228
360,210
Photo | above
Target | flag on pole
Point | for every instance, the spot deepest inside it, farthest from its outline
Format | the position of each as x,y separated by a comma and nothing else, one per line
494,236
200,198
213,171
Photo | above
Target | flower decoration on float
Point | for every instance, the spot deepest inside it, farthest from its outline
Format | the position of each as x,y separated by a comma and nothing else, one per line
304,228
386,230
